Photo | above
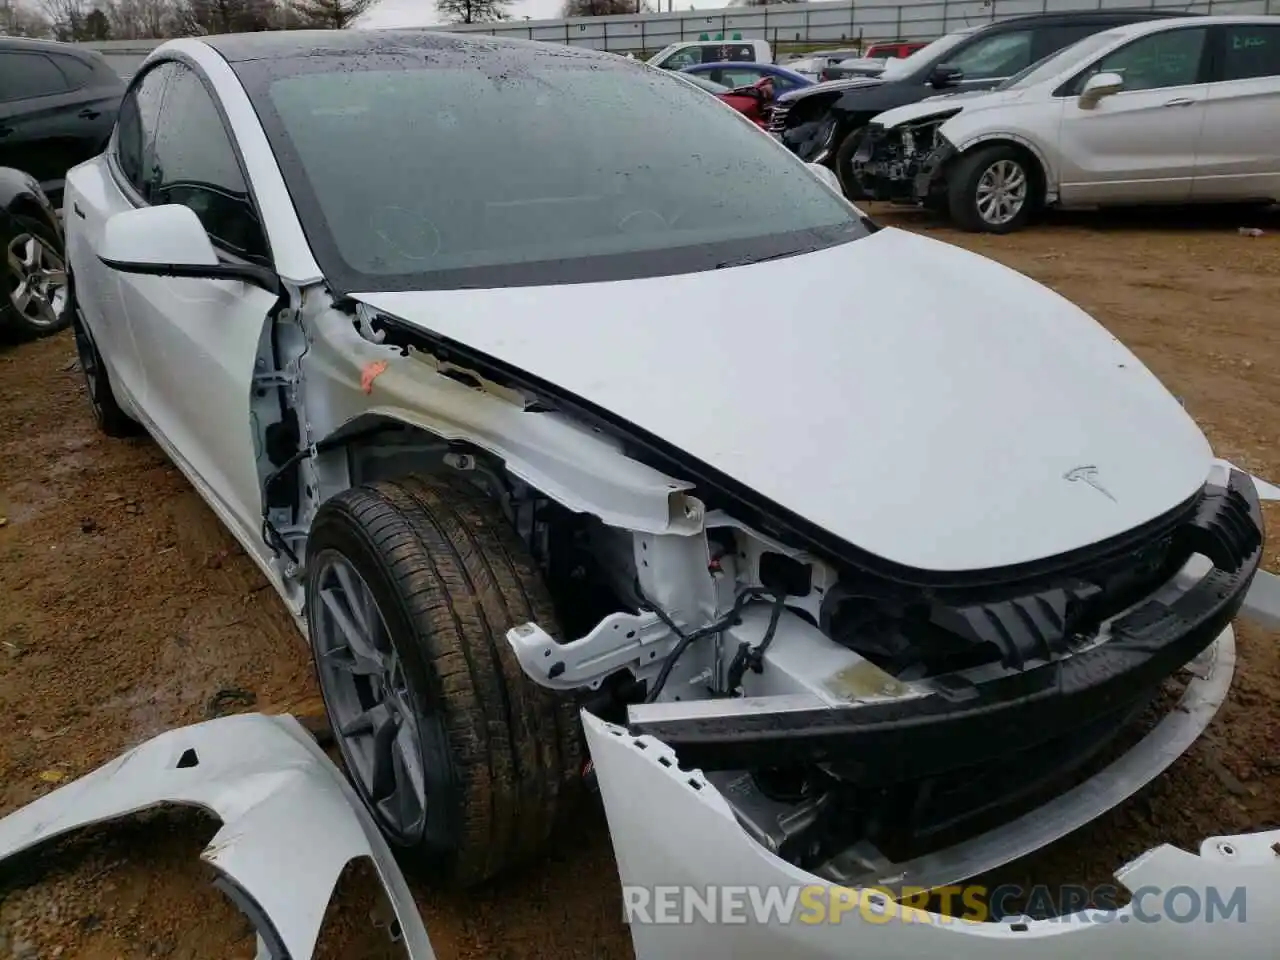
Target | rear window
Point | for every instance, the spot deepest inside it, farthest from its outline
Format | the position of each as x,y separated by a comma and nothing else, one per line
542,168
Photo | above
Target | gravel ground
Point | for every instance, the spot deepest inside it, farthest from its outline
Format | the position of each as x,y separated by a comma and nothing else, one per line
126,609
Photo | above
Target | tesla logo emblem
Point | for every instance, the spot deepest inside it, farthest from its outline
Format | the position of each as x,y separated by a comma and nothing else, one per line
1088,475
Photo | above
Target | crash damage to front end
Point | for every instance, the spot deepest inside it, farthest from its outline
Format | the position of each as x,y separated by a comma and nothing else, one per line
906,162
954,703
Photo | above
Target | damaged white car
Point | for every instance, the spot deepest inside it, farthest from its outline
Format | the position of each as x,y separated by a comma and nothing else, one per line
491,384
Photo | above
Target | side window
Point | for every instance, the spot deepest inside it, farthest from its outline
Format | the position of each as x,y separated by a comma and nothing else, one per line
1168,59
683,58
26,75
996,57
1049,40
77,72
136,127
739,78
1251,50
741,53
196,165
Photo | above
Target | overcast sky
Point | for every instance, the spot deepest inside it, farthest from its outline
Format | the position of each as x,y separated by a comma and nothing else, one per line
422,13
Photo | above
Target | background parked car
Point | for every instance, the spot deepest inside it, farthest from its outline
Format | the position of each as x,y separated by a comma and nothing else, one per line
735,75
752,101
894,50
1171,111
812,64
58,103
857,67
677,56
33,275
825,123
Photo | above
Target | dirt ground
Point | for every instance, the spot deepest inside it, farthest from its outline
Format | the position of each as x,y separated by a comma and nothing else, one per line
126,609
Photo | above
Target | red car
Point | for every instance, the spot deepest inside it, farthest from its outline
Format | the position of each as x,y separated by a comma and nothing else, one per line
752,101
897,49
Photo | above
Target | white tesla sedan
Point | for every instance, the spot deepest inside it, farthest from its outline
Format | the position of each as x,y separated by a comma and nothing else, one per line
490,382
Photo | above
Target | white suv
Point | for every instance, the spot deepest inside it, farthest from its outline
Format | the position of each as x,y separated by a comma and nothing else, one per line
1164,111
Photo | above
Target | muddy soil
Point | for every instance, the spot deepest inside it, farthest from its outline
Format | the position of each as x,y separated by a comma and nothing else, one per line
126,609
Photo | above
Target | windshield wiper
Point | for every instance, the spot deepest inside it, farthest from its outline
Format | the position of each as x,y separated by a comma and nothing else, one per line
747,261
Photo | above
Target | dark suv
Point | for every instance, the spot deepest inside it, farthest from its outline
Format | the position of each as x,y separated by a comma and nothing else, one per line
825,123
57,108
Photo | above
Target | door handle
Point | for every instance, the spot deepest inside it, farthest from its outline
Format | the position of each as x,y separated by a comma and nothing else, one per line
87,114
78,212
1179,102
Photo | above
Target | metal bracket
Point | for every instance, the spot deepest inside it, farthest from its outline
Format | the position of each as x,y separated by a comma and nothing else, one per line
364,323
621,641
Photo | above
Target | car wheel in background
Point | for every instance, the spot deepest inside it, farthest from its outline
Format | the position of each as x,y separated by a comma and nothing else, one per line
843,164
992,190
35,280
464,761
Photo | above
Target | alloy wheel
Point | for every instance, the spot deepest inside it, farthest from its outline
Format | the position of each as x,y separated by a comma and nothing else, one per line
1002,192
38,278
395,753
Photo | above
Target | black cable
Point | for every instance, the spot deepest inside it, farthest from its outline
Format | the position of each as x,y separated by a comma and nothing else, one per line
716,626
753,657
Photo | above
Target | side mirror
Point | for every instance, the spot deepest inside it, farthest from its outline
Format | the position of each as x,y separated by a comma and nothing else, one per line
1098,86
945,75
169,241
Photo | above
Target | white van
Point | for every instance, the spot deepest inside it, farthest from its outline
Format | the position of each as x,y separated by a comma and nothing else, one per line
677,56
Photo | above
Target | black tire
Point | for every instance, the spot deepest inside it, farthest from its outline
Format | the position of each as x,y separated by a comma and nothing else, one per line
843,164
449,576
963,182
29,324
111,420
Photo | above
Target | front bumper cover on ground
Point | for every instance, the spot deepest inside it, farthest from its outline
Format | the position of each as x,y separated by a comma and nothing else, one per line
291,822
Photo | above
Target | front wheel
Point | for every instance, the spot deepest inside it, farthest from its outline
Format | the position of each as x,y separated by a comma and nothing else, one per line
844,164
35,280
464,762
992,190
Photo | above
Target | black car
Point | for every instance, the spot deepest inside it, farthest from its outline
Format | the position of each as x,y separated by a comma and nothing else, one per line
825,123
33,273
58,106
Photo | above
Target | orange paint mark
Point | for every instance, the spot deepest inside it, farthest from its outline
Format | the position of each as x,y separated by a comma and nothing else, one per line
370,373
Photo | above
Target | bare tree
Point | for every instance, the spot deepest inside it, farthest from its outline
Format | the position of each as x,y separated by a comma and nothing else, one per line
326,14
143,19
602,8
204,17
19,20
474,11
67,17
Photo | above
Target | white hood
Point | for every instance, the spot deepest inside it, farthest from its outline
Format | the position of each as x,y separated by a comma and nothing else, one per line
919,401
967,100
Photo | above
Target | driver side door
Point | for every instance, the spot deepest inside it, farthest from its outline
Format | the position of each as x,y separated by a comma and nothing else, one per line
199,339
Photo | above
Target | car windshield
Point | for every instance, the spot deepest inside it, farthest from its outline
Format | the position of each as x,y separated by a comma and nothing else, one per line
1060,62
895,68
524,167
